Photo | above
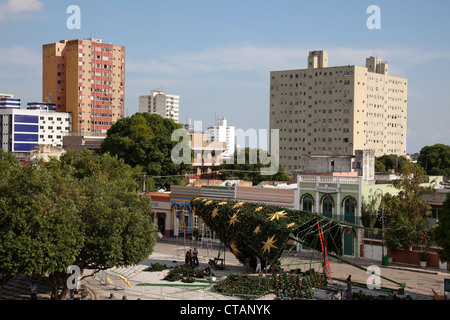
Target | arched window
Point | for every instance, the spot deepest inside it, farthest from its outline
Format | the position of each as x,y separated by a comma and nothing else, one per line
307,203
349,204
327,206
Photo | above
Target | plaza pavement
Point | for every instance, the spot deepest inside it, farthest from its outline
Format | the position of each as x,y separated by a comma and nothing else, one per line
134,283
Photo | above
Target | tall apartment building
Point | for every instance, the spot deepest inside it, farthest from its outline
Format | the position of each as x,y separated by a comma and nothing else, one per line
222,132
87,78
161,103
326,110
38,124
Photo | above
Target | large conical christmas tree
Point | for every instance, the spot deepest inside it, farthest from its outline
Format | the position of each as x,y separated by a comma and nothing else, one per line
252,229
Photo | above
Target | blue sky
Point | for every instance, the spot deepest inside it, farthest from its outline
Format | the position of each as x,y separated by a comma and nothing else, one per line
217,55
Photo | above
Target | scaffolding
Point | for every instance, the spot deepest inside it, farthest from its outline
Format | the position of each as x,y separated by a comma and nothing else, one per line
206,239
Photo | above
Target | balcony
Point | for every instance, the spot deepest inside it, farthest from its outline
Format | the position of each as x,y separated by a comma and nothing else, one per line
329,179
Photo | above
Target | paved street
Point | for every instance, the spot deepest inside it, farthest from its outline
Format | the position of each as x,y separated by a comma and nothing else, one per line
144,285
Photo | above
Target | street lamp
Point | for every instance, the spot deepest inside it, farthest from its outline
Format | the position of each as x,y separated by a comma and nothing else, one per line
382,224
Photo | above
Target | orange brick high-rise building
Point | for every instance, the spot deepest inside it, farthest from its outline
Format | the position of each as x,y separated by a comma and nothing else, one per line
87,78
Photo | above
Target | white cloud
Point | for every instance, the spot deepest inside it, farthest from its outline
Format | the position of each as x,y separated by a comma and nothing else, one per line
13,8
249,58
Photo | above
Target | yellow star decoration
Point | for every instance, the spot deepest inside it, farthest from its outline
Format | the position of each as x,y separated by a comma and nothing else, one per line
234,219
269,244
215,213
277,215
234,248
222,203
237,205
257,230
204,200
291,225
258,209
208,202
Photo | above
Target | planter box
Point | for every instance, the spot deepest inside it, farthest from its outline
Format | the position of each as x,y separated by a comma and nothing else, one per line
412,257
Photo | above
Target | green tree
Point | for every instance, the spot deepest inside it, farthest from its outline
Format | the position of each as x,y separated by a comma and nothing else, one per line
369,211
441,232
405,213
435,160
390,162
40,230
82,210
247,166
117,223
145,140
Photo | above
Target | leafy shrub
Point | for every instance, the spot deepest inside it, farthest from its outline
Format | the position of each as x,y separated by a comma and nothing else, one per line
156,267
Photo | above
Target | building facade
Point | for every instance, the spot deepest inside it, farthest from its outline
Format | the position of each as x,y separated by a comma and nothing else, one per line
222,132
21,130
326,110
161,103
208,155
87,78
161,211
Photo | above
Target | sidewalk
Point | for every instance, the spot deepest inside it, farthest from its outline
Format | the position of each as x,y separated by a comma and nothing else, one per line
419,281
170,252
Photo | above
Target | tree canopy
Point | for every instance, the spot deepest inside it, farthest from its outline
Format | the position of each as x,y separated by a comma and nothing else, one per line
442,231
40,230
394,162
247,165
82,210
405,213
435,160
145,141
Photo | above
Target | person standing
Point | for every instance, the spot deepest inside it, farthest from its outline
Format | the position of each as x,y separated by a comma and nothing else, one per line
191,258
349,283
195,257
187,258
247,265
33,290
258,264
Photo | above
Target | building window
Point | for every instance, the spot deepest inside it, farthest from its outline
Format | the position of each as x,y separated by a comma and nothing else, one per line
307,203
349,204
327,206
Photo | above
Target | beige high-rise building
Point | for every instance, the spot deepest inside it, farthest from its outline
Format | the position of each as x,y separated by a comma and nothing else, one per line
326,110
87,78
